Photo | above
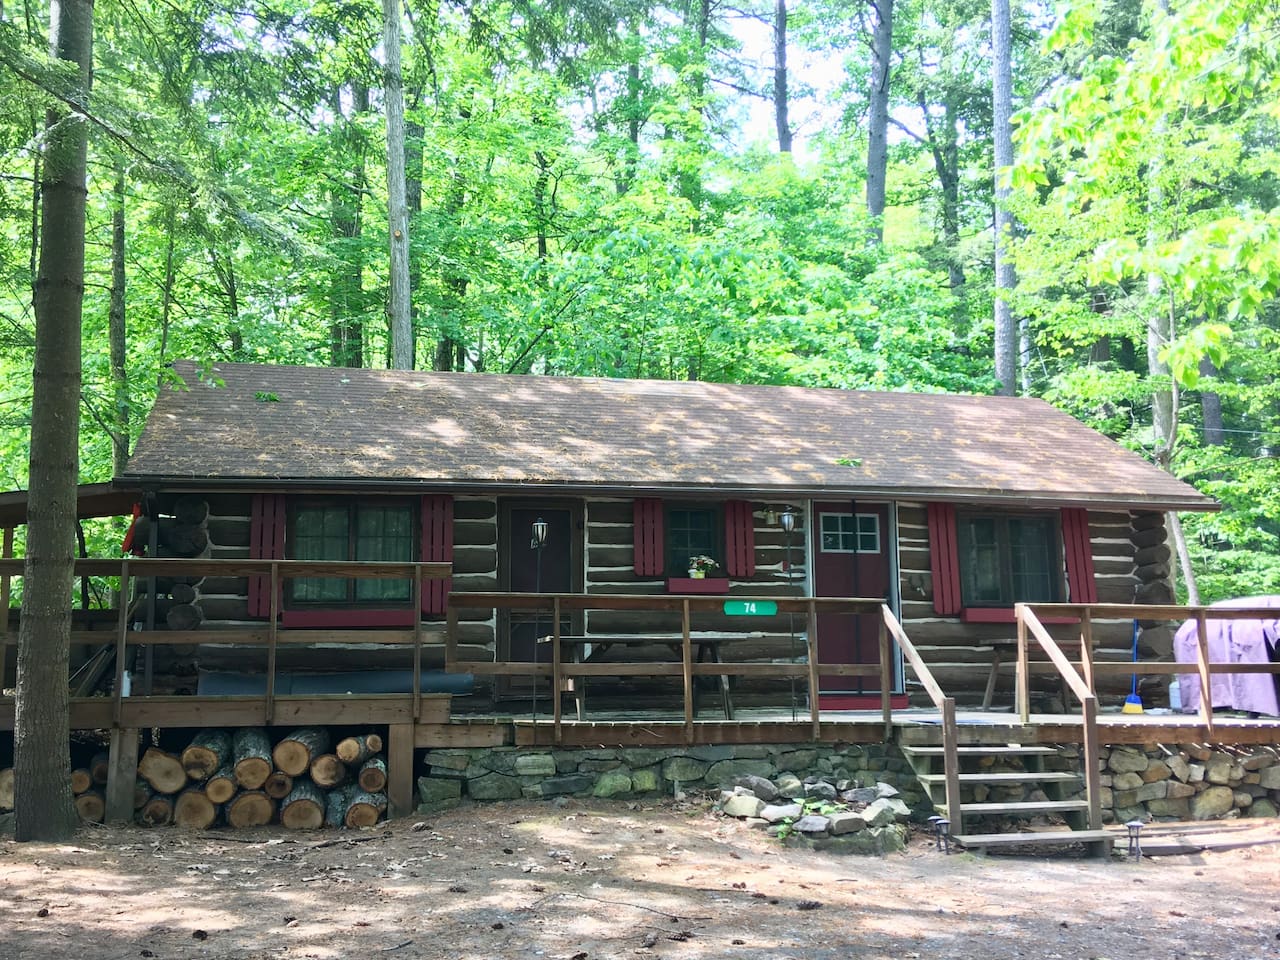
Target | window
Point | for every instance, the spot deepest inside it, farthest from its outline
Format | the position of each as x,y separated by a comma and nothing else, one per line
850,533
361,530
1007,559
692,531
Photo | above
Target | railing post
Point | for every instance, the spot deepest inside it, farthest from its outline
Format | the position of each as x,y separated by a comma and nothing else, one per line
1202,667
1086,651
687,650
1022,681
1092,775
272,627
886,678
417,642
951,764
557,677
811,654
122,635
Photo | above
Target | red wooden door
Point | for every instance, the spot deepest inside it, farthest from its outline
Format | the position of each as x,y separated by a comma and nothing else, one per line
850,559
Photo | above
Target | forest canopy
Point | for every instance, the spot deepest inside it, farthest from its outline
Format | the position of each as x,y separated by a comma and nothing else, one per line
787,192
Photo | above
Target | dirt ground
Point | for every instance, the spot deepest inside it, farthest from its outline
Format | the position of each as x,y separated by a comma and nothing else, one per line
595,880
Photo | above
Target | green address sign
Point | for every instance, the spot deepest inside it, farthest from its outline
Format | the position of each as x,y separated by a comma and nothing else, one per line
750,608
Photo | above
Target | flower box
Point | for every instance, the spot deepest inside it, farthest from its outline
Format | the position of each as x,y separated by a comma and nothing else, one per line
700,585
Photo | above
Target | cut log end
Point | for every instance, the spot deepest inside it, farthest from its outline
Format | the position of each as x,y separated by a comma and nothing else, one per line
278,785
157,811
162,770
328,771
92,806
250,808
193,809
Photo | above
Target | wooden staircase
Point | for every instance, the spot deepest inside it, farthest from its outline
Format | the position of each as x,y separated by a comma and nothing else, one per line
1005,770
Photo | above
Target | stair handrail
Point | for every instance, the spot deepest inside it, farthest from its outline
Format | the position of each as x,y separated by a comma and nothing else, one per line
946,706
1028,621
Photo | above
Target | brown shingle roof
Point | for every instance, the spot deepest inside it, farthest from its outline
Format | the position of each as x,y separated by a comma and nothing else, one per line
330,426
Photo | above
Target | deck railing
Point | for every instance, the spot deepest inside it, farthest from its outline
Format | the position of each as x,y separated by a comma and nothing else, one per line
558,671
1203,668
252,709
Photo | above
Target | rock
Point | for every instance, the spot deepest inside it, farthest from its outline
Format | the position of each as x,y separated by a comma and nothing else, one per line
760,786
743,805
1156,770
797,759
859,795
568,784
877,841
788,785
1195,773
1175,790
447,761
1213,802
1153,791
494,786
842,823
435,789
710,753
732,771
1126,781
1262,807
820,790
886,789
1269,779
881,813
535,765
1179,768
1242,800
642,756
612,783
812,823
1179,809
777,812
1218,771
1127,761
683,769
645,780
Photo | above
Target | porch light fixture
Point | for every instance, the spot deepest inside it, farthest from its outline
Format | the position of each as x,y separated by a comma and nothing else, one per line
788,519
539,534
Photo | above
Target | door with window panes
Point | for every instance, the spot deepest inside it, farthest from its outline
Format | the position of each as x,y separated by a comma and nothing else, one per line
850,559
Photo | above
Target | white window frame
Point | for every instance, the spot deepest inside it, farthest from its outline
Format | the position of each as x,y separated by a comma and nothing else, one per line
858,532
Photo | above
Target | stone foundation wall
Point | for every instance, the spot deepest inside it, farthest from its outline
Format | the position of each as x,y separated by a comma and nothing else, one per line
508,773
1189,782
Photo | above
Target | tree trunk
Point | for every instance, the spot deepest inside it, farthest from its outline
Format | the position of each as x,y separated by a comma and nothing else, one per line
162,770
358,749
221,787
1006,330
157,811
194,809
295,752
878,119
250,808
209,752
251,756
303,808
401,330
119,419
373,775
780,96
328,771
1215,431
365,809
279,785
42,769
346,293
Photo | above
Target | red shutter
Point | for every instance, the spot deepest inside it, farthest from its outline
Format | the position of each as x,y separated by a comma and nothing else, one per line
739,539
944,559
650,556
1079,551
266,542
437,547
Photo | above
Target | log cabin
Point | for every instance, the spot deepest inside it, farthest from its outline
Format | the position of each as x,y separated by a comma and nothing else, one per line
950,509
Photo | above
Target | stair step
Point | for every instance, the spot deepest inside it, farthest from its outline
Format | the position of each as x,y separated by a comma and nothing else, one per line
1025,839
995,750
1023,806
941,778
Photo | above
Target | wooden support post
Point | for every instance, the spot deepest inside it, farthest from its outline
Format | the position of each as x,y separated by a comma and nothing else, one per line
557,676
1202,668
451,636
417,642
1086,653
1092,774
1022,679
811,644
273,626
122,774
400,770
687,651
886,680
951,763
149,651
122,637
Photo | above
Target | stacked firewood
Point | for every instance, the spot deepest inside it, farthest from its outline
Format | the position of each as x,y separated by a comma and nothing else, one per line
185,534
239,778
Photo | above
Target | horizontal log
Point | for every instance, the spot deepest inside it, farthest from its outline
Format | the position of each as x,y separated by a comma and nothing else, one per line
155,567
468,508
